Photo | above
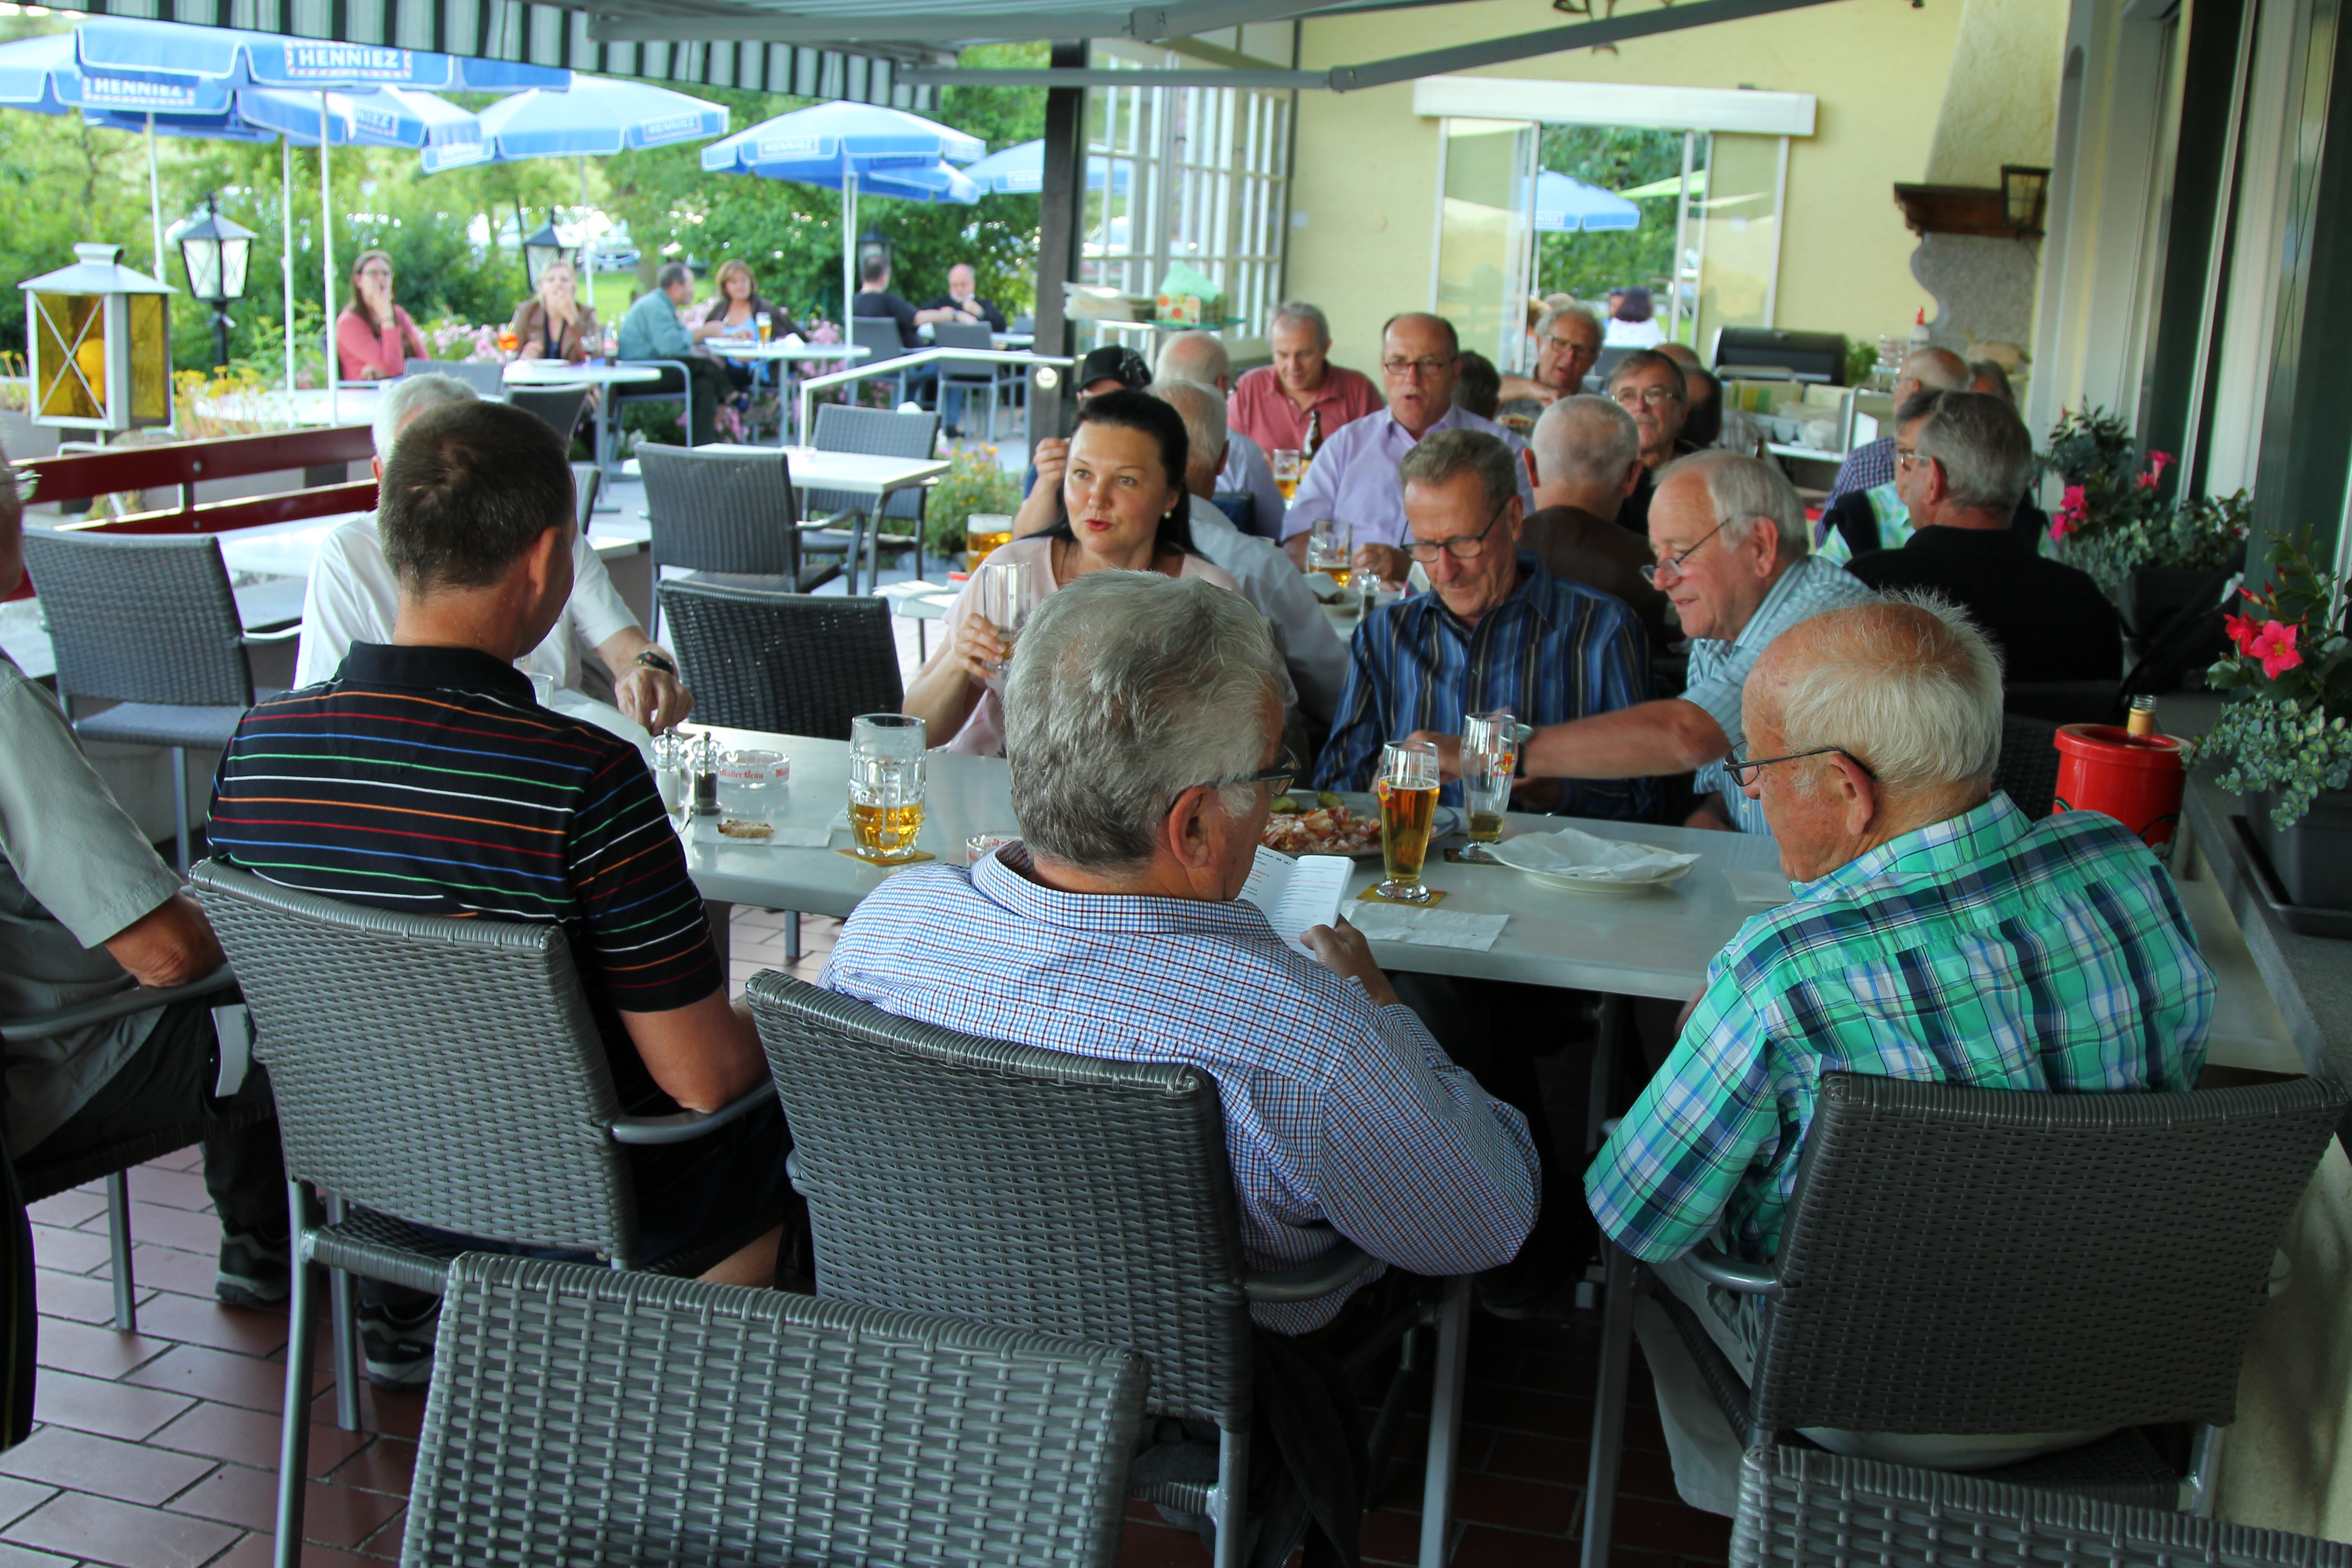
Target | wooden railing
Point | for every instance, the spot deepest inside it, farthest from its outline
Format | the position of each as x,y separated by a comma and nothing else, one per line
85,475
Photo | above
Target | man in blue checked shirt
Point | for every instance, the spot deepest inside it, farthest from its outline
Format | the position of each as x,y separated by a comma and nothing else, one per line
1495,630
1936,933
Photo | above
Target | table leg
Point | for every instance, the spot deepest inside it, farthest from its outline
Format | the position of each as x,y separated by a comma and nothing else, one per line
607,457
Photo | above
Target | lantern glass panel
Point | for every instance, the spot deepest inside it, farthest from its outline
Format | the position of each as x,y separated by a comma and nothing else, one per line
202,256
236,253
70,355
151,360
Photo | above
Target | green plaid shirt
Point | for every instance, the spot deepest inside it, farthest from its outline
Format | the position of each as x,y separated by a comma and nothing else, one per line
1988,950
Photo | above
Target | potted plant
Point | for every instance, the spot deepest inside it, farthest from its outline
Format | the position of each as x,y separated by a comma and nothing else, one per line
2153,558
2285,734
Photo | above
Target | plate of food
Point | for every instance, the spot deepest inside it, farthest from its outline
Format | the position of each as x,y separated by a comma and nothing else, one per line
1331,823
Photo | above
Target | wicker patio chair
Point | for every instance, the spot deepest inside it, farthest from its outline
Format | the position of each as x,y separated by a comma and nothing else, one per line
876,433
1059,1194
729,513
1800,1509
561,406
794,664
488,380
445,1071
1975,1261
589,1417
2028,770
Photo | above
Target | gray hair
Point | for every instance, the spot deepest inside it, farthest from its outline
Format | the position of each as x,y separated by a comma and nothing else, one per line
1440,458
1982,447
1298,313
1937,370
402,401
1996,376
1203,409
1554,313
1126,690
1744,490
1585,440
672,274
1905,683
1193,356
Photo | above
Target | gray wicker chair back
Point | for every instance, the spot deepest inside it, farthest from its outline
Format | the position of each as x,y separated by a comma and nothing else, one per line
2065,701
720,511
488,380
727,1425
964,335
1058,1194
145,618
2028,770
794,664
2121,1241
1803,1509
587,483
561,406
876,433
444,1070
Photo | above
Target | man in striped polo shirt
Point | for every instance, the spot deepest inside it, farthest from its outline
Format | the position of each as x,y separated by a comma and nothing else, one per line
424,777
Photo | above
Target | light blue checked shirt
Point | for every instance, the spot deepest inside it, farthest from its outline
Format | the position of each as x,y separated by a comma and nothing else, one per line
1719,670
1988,950
1341,1119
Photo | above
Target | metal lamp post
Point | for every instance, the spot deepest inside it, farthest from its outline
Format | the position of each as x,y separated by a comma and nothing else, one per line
214,250
543,248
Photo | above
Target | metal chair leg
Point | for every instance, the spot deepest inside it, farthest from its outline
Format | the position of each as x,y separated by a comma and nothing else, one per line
791,936
1608,1039
343,1323
1608,1410
2204,1462
294,1427
117,1241
1229,1504
1445,1423
180,805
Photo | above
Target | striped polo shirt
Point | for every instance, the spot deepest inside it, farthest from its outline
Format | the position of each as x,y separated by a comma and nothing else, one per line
428,780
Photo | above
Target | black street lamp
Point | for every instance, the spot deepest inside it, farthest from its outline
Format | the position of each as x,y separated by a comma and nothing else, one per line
543,248
214,250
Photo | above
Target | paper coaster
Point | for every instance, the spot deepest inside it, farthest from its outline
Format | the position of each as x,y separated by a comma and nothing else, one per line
915,859
1372,895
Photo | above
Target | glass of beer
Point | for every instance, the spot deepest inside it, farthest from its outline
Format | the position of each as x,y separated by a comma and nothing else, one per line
983,531
1287,469
761,321
1005,599
1407,791
887,764
1490,757
1331,547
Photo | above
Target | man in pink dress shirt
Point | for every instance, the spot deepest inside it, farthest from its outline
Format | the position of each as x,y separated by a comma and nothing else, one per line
1270,404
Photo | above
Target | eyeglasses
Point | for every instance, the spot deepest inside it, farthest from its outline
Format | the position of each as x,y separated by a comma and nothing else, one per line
1397,369
1904,459
1743,771
1671,568
1461,546
1572,345
1627,396
1285,768
375,271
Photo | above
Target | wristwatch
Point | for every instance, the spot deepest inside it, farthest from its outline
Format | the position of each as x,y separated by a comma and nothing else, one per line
654,658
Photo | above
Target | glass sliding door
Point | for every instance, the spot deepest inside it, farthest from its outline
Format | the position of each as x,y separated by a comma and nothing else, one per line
1483,232
1732,236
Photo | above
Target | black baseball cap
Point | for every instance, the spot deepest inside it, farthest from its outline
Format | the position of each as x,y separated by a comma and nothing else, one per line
1114,362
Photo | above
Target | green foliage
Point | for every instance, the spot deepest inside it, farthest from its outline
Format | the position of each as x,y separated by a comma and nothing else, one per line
1615,159
974,481
2291,669
2114,519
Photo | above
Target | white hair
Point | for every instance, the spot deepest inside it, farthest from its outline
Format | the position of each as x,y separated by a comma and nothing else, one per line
1193,356
1298,313
1905,684
1203,409
1935,370
1746,490
399,403
1127,689
1585,440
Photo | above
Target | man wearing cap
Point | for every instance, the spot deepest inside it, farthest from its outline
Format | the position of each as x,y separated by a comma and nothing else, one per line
1106,369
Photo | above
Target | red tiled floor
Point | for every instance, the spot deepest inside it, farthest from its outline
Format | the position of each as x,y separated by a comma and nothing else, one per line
127,1472
100,1530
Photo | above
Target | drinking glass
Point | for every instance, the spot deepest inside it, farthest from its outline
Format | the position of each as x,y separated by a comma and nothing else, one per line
886,763
749,778
1331,547
980,846
508,342
1005,599
1407,791
1286,470
983,531
673,774
760,320
1490,757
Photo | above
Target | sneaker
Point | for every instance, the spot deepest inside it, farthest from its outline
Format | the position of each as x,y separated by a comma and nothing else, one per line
254,1270
398,1350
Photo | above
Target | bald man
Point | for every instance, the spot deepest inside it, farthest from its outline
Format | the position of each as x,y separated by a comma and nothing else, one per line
1871,465
1197,358
1588,457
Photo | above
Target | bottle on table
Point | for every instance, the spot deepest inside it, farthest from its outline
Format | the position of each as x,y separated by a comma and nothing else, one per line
1920,337
1314,437
2141,719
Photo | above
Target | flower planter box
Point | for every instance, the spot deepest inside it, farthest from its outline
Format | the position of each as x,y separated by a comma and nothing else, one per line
2312,860
2152,595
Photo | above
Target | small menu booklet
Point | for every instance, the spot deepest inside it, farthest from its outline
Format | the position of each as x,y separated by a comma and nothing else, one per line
1298,894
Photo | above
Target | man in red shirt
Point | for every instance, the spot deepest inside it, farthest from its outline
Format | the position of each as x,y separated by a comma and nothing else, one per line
1271,405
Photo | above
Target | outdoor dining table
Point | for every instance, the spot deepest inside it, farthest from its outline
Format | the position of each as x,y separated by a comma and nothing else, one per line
558,373
857,474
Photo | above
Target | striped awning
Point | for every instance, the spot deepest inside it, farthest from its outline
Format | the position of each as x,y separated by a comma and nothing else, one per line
551,36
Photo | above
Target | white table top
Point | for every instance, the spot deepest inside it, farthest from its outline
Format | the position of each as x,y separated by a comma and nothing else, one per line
557,373
856,472
288,549
738,348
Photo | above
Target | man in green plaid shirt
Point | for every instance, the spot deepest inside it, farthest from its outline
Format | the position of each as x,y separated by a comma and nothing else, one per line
1934,934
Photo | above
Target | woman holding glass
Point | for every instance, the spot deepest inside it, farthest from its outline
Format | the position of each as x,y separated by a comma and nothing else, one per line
734,312
552,324
374,339
1125,509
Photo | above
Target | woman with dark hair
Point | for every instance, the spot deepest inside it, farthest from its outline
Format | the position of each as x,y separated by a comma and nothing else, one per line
1125,509
734,311
374,339
1633,323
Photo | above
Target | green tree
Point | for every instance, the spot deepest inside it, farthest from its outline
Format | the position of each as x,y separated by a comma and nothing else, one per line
1615,159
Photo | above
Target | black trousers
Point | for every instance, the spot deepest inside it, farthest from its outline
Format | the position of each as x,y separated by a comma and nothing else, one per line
708,383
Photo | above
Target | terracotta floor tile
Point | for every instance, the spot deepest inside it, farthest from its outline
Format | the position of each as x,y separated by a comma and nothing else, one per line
331,1515
70,1251
184,1229
1153,1544
391,1414
174,1269
1513,1504
1670,1527
254,1552
83,1462
67,1208
387,1464
95,1350
85,1299
102,1530
18,1498
250,1437
196,1322
191,1158
386,1541
172,1189
208,1373
109,1409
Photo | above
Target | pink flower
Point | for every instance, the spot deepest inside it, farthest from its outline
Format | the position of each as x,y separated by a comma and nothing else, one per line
2159,461
2072,503
2147,481
2241,632
2274,645
2060,527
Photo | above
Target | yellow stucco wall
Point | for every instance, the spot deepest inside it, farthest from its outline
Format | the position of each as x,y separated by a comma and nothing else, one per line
2001,98
1366,166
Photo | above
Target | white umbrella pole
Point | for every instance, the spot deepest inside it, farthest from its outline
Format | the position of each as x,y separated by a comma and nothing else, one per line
155,199
286,265
588,247
848,245
327,260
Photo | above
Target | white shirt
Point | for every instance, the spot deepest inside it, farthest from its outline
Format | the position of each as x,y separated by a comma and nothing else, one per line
1633,334
1246,470
352,598
1273,583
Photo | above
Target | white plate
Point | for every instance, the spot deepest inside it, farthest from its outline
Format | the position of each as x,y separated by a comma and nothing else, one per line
1603,884
1447,820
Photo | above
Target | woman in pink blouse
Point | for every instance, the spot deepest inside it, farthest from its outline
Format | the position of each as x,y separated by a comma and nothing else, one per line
374,339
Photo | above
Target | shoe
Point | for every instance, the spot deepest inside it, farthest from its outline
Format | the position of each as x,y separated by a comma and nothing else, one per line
254,1270
397,1351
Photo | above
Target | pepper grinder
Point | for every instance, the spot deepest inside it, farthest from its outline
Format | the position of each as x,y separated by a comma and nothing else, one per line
706,775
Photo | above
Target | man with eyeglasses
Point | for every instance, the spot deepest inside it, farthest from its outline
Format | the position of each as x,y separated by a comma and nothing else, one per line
1353,478
1495,630
1732,554
1568,345
1649,385
1936,933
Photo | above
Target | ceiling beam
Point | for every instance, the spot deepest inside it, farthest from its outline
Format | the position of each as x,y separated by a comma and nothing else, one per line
776,23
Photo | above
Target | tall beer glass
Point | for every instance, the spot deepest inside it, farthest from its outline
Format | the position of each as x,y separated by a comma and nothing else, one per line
983,531
1490,755
886,763
1005,598
1408,790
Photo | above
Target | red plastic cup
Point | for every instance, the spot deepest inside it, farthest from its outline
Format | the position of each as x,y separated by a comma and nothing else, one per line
2135,779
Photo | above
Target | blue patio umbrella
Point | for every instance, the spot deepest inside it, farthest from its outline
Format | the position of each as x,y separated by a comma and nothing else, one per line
1562,204
848,146
1019,170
